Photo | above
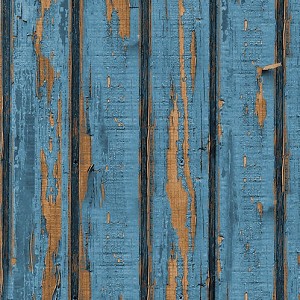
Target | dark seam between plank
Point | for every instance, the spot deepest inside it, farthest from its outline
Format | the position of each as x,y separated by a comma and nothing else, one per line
280,195
145,29
212,148
74,105
6,188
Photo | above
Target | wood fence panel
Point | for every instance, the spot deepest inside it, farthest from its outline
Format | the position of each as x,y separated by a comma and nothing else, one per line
149,149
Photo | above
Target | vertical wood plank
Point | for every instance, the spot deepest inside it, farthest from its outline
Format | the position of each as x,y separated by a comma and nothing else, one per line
292,155
245,221
179,65
109,173
40,143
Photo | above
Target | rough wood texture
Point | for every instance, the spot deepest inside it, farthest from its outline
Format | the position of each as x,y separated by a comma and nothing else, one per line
245,230
180,117
110,105
149,149
40,145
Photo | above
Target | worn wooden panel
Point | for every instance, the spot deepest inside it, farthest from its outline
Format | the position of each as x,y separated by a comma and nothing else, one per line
179,65
109,148
39,143
245,172
149,149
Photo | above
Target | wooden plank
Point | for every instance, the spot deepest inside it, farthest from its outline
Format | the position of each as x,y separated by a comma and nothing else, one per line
179,64
109,149
292,155
40,143
245,175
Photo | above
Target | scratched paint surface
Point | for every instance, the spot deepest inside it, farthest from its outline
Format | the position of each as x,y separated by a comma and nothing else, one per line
180,200
39,138
245,153
35,221
110,209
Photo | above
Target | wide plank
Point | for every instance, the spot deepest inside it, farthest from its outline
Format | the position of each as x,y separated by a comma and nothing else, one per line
180,113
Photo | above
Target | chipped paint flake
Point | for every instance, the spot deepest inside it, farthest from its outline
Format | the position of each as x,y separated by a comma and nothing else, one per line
260,209
177,195
51,209
193,58
122,8
245,161
183,87
46,72
32,257
261,104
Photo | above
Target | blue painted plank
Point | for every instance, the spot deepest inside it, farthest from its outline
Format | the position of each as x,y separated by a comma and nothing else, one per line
110,148
179,64
39,135
245,225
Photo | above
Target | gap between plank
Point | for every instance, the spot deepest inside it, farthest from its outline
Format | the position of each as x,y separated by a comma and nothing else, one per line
212,149
6,166
145,107
279,152
74,118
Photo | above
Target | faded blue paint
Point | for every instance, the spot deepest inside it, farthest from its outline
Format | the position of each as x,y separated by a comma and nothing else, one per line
31,131
247,239
246,236
165,73
113,120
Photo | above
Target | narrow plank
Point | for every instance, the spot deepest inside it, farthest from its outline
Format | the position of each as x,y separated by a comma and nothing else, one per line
109,148
40,143
245,219
292,155
179,64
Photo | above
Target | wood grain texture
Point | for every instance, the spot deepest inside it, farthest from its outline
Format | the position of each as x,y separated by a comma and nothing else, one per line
245,219
39,138
110,105
149,149
180,118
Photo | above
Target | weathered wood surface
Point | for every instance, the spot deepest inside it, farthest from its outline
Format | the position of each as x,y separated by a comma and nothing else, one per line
149,149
